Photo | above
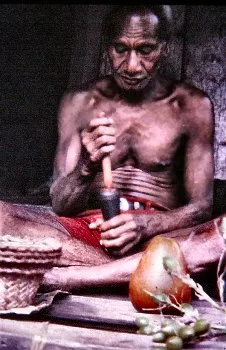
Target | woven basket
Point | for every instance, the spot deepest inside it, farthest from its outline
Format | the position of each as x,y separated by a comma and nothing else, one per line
23,263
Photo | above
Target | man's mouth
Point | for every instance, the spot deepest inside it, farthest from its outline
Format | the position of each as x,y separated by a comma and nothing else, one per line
131,81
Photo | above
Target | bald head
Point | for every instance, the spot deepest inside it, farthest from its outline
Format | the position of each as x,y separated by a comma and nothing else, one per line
156,20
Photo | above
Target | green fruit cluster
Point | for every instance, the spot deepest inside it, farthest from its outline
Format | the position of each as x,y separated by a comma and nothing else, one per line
172,333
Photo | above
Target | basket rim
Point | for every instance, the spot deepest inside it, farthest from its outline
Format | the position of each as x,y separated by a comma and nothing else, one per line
23,271
9,243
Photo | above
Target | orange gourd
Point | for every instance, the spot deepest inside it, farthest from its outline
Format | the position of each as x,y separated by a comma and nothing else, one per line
151,275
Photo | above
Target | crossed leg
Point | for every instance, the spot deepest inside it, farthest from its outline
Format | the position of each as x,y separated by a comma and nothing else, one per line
85,266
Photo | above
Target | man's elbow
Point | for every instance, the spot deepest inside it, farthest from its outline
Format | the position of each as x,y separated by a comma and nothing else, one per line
57,206
64,207
58,202
205,210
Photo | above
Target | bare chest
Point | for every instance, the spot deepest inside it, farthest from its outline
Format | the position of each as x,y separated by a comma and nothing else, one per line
149,137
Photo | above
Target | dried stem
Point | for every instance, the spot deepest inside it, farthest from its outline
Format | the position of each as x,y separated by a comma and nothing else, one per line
199,291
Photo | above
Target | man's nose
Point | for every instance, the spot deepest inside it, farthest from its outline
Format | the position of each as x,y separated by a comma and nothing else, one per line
133,63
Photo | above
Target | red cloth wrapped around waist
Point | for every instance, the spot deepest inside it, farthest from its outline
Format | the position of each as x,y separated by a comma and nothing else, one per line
78,226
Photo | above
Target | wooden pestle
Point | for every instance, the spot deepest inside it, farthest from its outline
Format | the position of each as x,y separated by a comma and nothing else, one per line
109,195
107,173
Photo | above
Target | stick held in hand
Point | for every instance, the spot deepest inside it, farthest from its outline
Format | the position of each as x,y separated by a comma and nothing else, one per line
109,196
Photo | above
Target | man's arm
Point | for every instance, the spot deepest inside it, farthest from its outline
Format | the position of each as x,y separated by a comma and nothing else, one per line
198,171
71,177
121,233
85,137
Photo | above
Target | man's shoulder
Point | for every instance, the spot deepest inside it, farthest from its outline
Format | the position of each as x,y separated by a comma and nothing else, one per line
104,87
196,106
182,91
191,93
97,88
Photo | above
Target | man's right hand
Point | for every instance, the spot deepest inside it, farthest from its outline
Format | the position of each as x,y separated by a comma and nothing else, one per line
99,137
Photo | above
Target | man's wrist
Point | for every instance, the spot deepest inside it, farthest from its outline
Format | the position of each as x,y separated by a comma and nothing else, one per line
88,169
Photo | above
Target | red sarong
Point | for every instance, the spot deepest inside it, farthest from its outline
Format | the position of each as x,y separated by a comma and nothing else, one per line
78,226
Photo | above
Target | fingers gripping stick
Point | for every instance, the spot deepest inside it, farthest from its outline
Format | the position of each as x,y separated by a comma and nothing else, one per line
109,196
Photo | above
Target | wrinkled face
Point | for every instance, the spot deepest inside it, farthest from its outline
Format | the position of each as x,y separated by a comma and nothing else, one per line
134,54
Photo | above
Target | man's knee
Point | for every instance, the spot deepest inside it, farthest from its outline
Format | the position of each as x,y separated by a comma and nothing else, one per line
203,247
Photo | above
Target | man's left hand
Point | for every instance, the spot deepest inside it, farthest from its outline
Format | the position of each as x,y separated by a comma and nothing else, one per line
120,234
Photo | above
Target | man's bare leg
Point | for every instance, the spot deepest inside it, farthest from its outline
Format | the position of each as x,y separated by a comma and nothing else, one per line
202,247
81,265
31,223
74,278
86,266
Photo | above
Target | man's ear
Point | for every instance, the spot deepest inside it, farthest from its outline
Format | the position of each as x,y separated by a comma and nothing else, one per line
165,49
105,67
162,56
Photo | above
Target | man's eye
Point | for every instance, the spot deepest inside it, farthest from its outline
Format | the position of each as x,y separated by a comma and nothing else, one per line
119,48
146,49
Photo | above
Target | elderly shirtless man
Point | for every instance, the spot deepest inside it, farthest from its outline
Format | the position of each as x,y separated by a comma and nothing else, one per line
159,135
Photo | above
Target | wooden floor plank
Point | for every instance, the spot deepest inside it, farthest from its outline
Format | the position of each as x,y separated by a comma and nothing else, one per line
24,335
105,311
92,322
115,312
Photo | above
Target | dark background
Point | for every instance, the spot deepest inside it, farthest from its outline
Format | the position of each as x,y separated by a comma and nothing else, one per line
46,48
